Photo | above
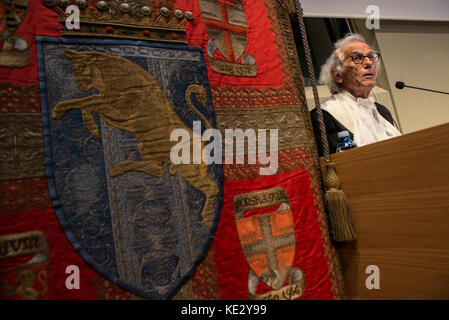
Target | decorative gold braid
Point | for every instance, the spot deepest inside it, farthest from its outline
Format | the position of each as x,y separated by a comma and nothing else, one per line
300,17
292,69
132,19
200,94
282,9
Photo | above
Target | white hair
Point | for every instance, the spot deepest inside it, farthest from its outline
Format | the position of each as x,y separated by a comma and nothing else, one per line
334,64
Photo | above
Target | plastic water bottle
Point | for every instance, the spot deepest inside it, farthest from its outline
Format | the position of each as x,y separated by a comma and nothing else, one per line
344,142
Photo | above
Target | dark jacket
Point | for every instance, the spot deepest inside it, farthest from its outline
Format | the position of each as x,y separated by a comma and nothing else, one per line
333,127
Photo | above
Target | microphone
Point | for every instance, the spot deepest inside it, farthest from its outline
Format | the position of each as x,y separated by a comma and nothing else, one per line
401,85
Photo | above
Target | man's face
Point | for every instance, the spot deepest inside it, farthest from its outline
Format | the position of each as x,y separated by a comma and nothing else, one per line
357,79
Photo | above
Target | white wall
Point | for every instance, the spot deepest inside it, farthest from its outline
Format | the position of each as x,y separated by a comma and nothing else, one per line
428,10
418,54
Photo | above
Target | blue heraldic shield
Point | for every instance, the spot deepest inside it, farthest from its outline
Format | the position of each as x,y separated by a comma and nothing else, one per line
109,107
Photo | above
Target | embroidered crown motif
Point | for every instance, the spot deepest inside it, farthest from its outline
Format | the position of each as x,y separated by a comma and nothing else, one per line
154,20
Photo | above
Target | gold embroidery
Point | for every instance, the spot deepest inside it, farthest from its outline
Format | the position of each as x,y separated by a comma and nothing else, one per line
136,104
291,67
228,31
258,199
288,161
290,93
205,280
292,291
15,52
26,279
287,50
20,98
24,243
230,97
107,290
185,293
269,243
286,119
204,284
234,69
21,244
12,57
22,144
24,195
133,19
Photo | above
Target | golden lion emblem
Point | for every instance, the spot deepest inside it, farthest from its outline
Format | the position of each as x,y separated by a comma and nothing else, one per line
131,99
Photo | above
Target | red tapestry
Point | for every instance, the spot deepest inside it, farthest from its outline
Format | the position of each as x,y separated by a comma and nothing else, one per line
271,240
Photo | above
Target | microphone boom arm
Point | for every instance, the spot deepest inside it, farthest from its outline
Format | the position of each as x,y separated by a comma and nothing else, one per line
401,85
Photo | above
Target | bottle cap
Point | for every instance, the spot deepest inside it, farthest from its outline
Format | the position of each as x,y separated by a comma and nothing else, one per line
343,134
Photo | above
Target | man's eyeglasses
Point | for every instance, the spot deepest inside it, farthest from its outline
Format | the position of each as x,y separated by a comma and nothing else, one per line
358,58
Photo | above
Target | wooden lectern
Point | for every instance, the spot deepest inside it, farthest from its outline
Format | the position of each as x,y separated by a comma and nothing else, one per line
398,192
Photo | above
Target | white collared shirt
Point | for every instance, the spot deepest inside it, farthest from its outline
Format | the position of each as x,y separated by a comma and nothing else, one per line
360,116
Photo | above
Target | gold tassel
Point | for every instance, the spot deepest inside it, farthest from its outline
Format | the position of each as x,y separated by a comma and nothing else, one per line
338,207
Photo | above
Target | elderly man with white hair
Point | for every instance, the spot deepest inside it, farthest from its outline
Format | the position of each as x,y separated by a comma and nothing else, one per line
350,73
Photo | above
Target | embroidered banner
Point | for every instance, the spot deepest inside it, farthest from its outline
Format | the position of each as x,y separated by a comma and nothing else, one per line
89,169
